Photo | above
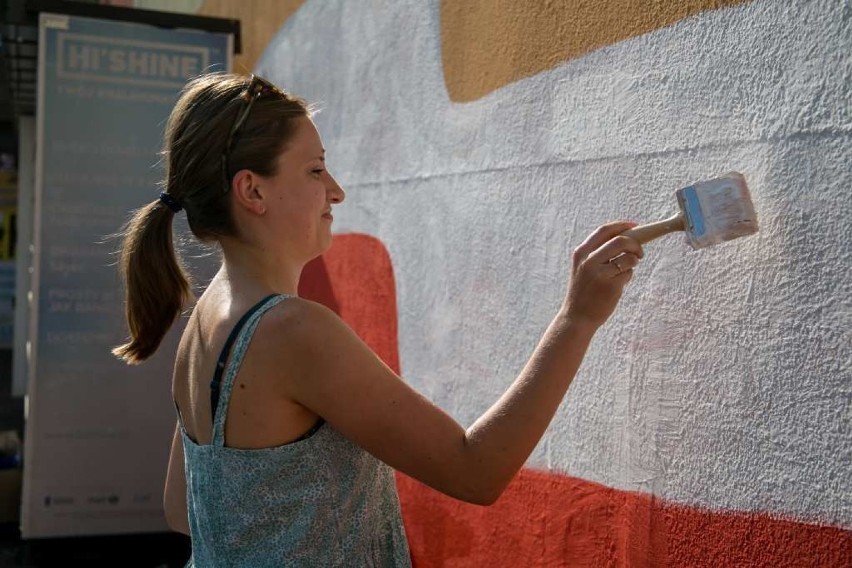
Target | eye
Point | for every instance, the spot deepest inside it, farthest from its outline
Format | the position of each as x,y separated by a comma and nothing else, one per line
317,172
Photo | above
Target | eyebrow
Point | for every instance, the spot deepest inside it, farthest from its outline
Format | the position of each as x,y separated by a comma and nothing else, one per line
321,157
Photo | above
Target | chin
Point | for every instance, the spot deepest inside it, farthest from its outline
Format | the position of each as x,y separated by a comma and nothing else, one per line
325,244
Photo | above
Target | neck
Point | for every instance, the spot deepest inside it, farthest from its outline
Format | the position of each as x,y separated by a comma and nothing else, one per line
255,270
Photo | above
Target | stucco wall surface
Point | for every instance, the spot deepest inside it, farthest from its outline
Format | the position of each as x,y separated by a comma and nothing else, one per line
723,380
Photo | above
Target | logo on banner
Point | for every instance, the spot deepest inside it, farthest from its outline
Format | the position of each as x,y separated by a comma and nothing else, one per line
127,61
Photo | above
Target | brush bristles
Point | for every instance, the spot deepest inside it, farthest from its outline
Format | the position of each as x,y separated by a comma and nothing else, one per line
717,210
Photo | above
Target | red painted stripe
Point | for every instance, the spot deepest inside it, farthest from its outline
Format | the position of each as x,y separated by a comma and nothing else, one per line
553,520
548,519
363,291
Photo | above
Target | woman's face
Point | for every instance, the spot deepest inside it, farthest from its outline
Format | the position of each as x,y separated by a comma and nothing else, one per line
302,193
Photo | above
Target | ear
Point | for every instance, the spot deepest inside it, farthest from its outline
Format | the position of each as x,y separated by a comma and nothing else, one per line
248,193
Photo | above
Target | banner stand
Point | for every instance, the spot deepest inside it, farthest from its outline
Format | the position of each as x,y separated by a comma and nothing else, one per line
97,431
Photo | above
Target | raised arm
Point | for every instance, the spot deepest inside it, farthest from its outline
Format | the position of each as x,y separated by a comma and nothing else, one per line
332,372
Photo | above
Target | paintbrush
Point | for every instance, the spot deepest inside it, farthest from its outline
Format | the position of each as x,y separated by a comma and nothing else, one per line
711,211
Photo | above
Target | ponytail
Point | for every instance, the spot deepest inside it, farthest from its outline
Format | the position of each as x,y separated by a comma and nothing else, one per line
156,285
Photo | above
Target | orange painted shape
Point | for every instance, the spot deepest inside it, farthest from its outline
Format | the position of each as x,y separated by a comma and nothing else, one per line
547,519
260,21
487,44
355,279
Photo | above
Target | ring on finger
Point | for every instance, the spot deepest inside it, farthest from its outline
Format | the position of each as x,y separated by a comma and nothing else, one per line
614,261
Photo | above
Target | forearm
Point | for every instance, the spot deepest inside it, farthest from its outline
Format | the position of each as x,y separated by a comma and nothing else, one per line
174,493
502,439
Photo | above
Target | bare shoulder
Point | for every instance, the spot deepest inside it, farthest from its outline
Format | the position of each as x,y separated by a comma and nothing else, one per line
301,321
298,334
334,374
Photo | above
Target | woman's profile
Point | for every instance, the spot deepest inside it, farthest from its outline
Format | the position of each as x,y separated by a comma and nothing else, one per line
289,427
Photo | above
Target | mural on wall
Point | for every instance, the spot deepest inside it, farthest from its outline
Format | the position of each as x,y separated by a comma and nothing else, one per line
479,142
687,438
486,44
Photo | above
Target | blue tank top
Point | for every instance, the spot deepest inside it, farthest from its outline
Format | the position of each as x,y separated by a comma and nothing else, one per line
319,501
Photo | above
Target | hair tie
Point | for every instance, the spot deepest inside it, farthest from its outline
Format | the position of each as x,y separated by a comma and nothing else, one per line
171,202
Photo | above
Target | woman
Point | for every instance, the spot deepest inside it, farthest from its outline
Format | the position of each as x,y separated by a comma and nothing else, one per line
285,457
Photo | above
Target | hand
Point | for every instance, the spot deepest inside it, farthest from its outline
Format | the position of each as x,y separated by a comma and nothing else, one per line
603,265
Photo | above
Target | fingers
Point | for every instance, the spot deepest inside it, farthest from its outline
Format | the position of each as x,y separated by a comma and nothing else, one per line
603,265
622,264
600,236
615,247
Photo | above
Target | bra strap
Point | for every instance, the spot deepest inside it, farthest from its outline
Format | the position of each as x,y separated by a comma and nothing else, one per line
223,380
216,383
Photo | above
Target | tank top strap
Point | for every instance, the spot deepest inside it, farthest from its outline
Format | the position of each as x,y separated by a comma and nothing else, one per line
223,378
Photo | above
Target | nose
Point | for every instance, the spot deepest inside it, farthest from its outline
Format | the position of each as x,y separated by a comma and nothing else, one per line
334,191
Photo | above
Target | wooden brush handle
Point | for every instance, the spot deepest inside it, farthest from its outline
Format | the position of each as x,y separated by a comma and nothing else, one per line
649,232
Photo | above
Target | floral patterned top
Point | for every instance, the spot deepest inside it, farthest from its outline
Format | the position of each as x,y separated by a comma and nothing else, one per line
319,501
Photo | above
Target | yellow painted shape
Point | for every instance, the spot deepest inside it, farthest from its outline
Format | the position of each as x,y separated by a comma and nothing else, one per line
487,44
260,20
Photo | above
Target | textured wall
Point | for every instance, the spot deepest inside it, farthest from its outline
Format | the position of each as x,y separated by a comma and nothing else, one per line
723,382
710,422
